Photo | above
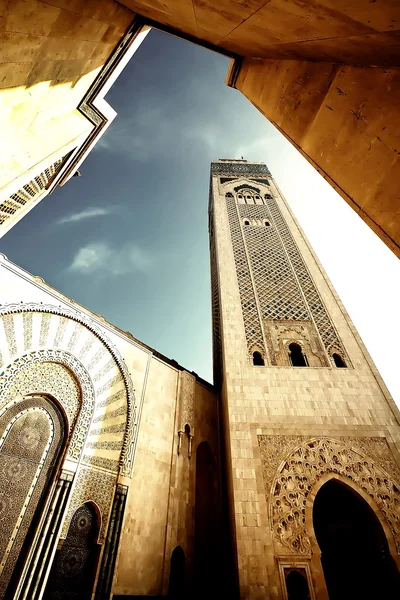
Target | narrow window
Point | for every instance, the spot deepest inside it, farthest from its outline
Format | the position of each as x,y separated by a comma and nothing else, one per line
258,360
247,222
339,362
296,356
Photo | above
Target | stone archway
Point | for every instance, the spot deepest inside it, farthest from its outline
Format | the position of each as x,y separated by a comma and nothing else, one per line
355,553
304,467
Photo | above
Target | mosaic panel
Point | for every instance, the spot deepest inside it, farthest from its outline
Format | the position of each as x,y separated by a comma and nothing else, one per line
47,311
32,437
92,486
73,570
121,411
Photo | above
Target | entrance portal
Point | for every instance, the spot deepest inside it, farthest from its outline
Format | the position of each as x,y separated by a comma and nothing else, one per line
354,550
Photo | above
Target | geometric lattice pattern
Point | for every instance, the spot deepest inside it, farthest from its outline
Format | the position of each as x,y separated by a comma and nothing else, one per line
28,192
251,315
278,293
274,282
216,323
320,315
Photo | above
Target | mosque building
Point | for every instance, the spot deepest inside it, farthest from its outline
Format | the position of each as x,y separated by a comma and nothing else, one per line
123,475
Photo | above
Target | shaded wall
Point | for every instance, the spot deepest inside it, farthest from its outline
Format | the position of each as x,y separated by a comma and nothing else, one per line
159,514
341,118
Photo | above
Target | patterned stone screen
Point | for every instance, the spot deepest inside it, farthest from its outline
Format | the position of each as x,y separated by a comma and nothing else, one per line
274,282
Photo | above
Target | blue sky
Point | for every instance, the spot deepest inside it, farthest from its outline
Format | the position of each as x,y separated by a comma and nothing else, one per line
129,238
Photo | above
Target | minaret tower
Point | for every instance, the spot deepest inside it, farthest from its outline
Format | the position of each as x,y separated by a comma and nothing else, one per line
312,435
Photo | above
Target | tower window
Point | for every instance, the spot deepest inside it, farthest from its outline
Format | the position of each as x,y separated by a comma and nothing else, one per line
339,362
296,356
258,360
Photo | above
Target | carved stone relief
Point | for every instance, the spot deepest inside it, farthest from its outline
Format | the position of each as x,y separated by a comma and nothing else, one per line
282,334
52,330
289,478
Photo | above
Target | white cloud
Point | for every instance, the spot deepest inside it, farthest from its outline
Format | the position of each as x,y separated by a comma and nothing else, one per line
100,258
88,213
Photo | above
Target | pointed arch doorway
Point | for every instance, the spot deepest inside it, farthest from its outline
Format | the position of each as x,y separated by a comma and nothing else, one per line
355,553
33,434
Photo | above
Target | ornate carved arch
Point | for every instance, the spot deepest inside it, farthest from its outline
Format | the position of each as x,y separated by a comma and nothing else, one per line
303,468
37,372
126,458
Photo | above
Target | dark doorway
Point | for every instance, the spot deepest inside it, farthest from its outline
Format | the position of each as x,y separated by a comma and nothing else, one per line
206,529
176,587
296,584
355,554
73,571
296,356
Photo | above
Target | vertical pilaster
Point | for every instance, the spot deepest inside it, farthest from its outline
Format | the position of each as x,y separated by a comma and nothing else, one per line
104,584
34,577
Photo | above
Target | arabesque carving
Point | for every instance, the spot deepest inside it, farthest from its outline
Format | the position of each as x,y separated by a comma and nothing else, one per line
308,463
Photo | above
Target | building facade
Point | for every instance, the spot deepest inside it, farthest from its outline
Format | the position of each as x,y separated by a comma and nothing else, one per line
123,475
311,433
105,446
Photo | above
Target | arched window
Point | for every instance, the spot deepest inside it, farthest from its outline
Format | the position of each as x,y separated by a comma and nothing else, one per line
268,196
247,222
296,356
339,362
176,585
258,360
228,195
